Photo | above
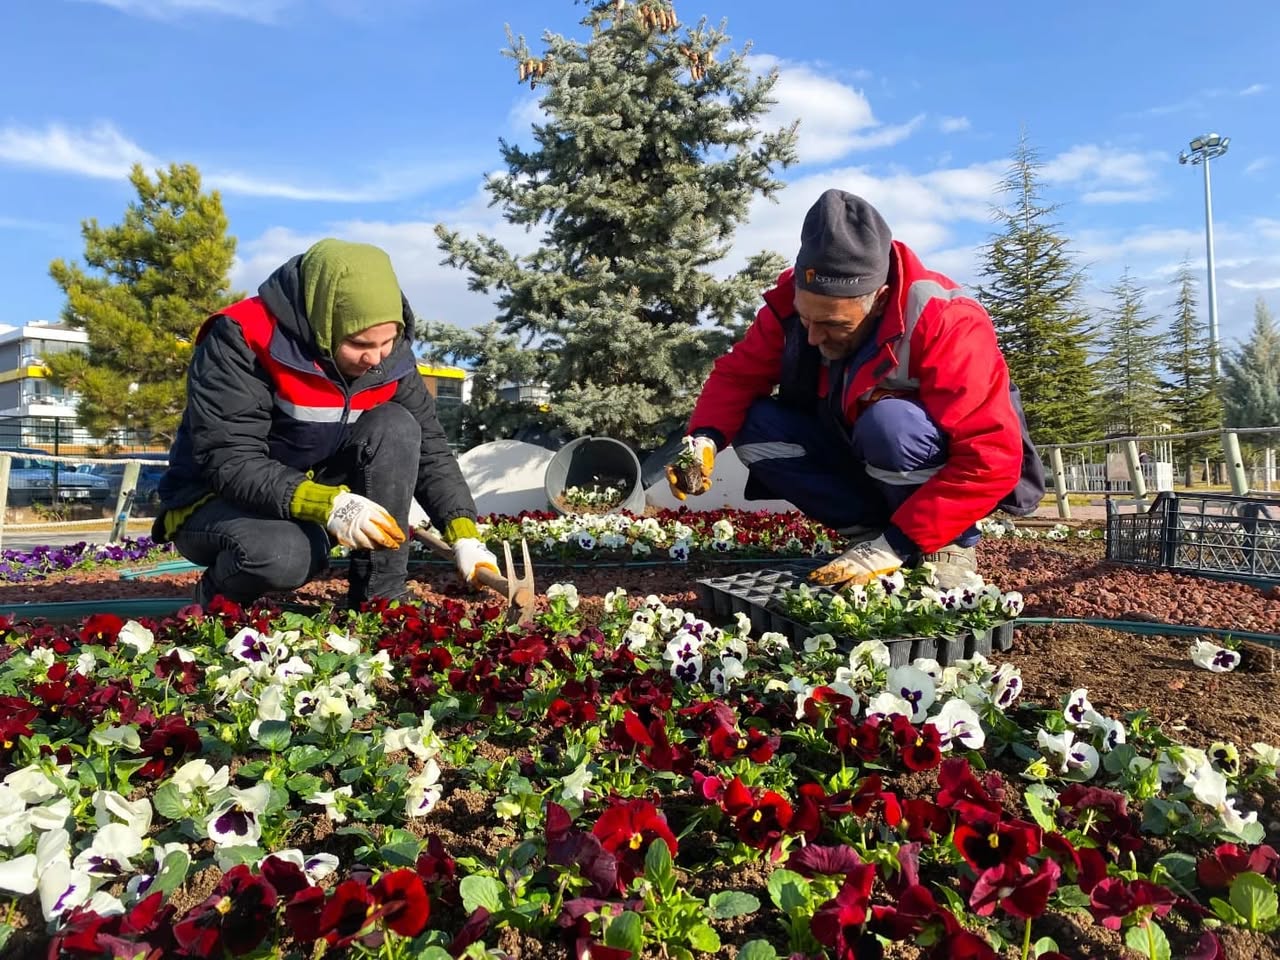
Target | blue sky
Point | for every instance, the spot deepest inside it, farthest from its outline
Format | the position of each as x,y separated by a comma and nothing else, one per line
375,119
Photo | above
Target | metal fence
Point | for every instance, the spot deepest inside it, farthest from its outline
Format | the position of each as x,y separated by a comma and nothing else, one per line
1123,467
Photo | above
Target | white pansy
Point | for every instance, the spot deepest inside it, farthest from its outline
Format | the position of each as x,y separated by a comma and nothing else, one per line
1074,760
929,667
736,648
818,642
1005,685
915,687
774,642
333,802
1266,753
18,876
376,667
342,642
62,889
567,591
86,663
52,816
1112,731
724,675
888,704
613,596
111,851
332,714
270,707
125,737
958,724
574,785
32,784
198,776
135,635
111,807
1214,658
292,670
423,791
1077,707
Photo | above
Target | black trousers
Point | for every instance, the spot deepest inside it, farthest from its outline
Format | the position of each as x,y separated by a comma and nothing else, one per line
248,554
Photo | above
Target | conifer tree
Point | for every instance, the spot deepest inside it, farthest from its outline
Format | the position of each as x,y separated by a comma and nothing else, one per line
498,365
1251,375
646,164
1031,290
1129,364
1188,395
155,278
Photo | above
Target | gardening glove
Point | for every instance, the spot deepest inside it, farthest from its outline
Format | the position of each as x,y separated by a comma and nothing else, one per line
359,523
694,479
472,556
860,564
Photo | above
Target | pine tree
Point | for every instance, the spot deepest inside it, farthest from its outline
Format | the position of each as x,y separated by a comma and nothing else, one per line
648,161
1129,363
1188,395
160,273
1251,375
1032,293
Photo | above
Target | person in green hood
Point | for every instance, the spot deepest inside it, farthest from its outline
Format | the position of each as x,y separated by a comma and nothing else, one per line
307,425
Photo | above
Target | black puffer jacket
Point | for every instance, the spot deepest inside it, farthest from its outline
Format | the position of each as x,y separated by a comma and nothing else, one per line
226,437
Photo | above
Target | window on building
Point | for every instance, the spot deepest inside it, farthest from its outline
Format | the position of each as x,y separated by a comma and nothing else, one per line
448,391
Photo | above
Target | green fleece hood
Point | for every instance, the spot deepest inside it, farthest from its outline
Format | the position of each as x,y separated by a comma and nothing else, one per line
346,288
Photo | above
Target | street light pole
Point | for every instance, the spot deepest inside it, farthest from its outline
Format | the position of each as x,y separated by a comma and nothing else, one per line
1204,149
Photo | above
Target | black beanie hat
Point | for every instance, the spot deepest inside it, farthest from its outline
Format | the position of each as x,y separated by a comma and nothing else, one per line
844,247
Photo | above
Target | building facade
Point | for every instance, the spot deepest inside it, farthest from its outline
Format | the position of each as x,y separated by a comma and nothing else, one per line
32,409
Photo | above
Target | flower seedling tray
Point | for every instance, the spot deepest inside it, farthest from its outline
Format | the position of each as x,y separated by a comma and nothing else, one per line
758,594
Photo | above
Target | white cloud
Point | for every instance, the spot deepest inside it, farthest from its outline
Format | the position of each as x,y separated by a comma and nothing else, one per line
100,151
1257,166
437,292
103,152
259,11
1254,89
1105,174
835,119
953,124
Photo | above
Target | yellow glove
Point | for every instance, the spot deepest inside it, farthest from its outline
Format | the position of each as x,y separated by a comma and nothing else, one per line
359,523
691,473
860,564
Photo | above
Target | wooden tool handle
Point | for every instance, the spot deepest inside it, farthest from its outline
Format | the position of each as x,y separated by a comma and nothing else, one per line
490,578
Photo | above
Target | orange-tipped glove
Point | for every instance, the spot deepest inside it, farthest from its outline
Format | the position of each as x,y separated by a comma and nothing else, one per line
472,556
359,523
860,564
690,474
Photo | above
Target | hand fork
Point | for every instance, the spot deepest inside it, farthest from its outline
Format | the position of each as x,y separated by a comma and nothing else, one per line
521,593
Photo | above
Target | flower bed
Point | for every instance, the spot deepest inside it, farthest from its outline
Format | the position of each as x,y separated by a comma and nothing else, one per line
23,566
418,781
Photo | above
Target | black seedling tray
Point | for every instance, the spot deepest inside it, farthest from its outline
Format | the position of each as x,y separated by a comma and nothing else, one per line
758,594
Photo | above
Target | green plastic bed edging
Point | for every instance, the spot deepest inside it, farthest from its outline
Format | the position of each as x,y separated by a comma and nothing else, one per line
1151,628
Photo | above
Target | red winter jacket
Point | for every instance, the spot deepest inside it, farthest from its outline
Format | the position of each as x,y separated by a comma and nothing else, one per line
935,343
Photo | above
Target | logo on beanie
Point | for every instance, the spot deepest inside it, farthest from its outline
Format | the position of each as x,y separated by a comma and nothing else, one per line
812,276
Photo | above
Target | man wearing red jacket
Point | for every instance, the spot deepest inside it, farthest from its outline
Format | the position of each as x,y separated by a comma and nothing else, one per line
872,394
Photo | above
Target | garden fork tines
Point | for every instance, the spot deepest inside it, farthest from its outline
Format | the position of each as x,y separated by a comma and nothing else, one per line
522,594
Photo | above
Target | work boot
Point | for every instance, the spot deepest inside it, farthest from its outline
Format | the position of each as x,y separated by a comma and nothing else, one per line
953,566
859,533
203,592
